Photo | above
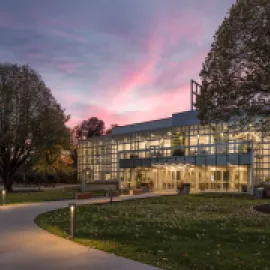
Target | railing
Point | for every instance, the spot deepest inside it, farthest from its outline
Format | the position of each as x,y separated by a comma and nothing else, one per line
234,147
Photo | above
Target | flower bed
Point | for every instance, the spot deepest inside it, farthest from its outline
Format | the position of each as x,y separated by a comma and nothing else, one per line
137,191
264,208
115,193
84,195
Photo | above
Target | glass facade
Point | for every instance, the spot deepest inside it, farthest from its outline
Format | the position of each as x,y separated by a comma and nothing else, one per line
210,158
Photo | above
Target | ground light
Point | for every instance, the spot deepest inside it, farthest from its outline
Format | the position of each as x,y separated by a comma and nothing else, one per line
111,196
4,196
72,208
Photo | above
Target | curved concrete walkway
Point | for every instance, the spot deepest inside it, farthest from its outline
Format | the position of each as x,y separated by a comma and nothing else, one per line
23,245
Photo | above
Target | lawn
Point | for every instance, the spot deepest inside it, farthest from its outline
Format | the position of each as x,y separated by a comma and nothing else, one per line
46,195
38,196
176,232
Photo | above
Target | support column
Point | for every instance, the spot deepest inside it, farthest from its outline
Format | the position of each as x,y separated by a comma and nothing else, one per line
132,177
157,178
165,178
196,179
251,177
160,178
232,178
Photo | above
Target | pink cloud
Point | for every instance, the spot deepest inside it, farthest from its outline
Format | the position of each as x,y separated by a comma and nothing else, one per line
74,121
185,70
135,67
133,79
168,32
167,103
160,104
109,117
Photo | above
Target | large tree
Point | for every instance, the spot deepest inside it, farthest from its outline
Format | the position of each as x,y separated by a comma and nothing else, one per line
91,127
31,121
236,73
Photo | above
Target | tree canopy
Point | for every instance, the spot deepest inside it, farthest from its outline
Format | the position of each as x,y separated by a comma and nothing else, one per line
31,120
236,73
91,127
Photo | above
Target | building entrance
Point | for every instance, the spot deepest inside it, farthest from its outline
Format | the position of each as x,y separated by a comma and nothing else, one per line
201,178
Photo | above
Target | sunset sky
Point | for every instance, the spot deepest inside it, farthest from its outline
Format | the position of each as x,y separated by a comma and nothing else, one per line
123,61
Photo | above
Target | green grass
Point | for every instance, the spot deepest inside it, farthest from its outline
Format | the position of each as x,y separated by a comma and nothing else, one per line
175,232
43,196
38,196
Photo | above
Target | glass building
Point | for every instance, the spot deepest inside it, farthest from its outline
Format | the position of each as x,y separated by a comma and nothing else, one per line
178,149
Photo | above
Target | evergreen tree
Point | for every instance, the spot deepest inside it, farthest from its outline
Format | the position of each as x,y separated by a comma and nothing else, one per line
236,73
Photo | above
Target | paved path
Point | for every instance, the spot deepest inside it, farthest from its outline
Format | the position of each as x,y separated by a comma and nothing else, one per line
23,245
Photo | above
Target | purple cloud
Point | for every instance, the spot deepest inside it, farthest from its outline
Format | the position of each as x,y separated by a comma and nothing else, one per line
118,60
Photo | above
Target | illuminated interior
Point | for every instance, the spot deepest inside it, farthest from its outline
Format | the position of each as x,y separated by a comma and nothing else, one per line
151,154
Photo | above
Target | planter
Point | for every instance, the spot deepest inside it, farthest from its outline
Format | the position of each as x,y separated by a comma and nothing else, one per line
84,195
137,191
184,189
115,193
260,193
145,189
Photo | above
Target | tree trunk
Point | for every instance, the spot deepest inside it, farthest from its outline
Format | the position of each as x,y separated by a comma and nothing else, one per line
9,165
8,182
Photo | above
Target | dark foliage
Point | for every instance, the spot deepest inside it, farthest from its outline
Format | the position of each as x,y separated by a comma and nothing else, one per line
236,73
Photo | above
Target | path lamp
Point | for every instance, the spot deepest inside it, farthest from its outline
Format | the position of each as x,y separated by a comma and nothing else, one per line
72,208
4,193
111,196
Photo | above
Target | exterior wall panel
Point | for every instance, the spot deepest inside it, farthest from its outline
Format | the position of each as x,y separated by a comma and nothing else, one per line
162,148
140,127
185,119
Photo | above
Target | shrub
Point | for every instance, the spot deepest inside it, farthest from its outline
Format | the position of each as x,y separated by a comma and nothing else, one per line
19,178
67,178
52,178
41,178
266,186
31,178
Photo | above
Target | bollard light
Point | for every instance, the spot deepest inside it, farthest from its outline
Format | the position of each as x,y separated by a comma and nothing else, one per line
3,196
72,208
